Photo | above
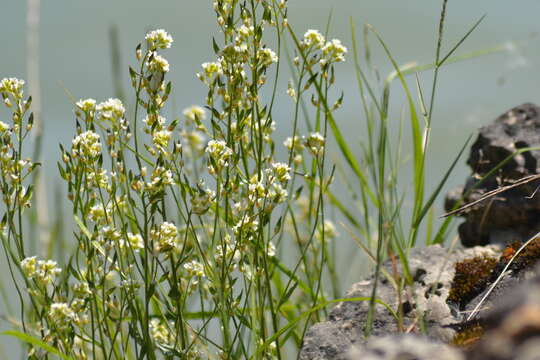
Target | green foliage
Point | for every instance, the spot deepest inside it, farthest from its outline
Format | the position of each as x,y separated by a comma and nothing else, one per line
194,239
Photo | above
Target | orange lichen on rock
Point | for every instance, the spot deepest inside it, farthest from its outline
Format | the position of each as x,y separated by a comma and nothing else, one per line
526,258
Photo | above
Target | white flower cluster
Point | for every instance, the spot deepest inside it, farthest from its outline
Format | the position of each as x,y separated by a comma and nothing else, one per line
111,110
194,268
81,290
161,177
3,127
228,252
313,38
294,143
280,171
154,120
296,146
267,57
43,272
329,232
219,154
158,39
194,114
111,234
161,139
332,51
166,237
246,227
160,333
86,145
315,143
135,241
87,105
157,64
211,71
62,314
98,179
13,87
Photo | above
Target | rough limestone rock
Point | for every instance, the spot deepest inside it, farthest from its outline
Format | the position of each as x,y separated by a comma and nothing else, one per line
512,326
512,215
506,285
433,272
404,347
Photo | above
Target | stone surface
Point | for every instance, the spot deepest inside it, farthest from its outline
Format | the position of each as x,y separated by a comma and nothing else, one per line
512,326
404,347
511,215
433,272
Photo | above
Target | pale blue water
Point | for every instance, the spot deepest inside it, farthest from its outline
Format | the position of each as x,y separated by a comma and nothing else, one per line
75,57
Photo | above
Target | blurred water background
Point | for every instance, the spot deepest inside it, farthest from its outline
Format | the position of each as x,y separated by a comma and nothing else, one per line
75,58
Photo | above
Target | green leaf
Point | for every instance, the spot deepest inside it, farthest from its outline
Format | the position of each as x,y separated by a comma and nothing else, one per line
83,228
36,342
428,204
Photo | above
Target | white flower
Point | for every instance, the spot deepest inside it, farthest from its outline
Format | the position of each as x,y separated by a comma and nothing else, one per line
267,56
291,92
87,105
62,314
165,237
195,113
158,63
256,190
194,268
3,127
111,233
315,143
44,272
81,290
158,39
86,144
97,213
294,143
281,171
161,138
98,179
313,38
150,120
245,31
219,153
278,193
329,230
271,249
160,332
135,241
112,109
212,69
160,176
28,266
12,86
333,51
246,226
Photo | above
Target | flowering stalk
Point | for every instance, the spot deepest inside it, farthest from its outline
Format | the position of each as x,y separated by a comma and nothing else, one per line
181,223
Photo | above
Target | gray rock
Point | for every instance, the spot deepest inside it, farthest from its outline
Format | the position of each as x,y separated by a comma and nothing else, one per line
404,347
511,215
433,272
512,325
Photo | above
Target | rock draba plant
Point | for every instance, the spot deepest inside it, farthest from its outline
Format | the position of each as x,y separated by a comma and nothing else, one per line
182,225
